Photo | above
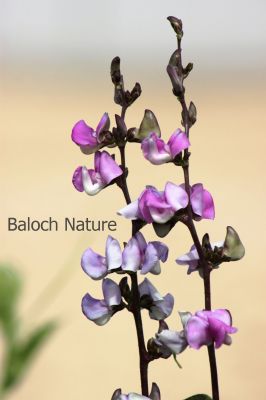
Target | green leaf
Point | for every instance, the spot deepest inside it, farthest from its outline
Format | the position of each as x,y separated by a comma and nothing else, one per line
21,354
10,288
199,397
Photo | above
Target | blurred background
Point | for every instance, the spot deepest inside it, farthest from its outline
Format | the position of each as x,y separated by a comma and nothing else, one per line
55,58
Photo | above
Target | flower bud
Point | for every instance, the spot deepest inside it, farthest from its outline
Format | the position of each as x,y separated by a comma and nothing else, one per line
187,69
116,394
121,131
233,247
177,26
125,289
117,79
192,113
155,392
176,79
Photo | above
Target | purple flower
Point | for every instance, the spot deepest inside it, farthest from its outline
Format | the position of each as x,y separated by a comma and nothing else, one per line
155,206
160,207
202,202
206,327
137,255
92,181
88,139
100,311
158,152
159,307
192,257
201,329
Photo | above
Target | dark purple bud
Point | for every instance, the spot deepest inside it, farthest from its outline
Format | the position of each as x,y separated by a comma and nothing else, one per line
192,113
135,93
116,394
187,69
115,71
175,59
121,128
206,242
117,79
177,26
125,289
155,392
176,79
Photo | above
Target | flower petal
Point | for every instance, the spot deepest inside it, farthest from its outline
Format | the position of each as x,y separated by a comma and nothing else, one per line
175,341
176,196
84,135
91,188
161,249
130,211
147,288
202,202
197,332
178,142
111,292
191,259
113,253
77,179
108,169
131,256
93,264
155,150
162,309
150,260
103,125
95,310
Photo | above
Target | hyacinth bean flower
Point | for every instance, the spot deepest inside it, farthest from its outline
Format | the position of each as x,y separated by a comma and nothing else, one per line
231,249
201,329
100,311
160,206
92,181
158,152
88,139
159,307
154,395
137,255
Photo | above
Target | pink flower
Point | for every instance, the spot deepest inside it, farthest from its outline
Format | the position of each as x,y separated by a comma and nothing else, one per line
158,152
207,327
92,181
160,206
88,139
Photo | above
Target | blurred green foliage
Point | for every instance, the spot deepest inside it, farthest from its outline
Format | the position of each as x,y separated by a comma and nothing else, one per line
19,349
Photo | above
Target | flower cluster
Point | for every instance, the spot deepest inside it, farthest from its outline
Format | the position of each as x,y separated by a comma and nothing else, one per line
163,209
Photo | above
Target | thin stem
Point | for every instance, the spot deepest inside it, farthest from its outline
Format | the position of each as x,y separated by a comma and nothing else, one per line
136,309
194,235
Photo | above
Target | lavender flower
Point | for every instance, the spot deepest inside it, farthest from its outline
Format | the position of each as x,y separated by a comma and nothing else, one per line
92,181
100,311
160,207
158,152
137,255
160,307
88,139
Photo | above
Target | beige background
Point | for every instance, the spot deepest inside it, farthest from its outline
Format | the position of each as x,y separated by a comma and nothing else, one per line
42,97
